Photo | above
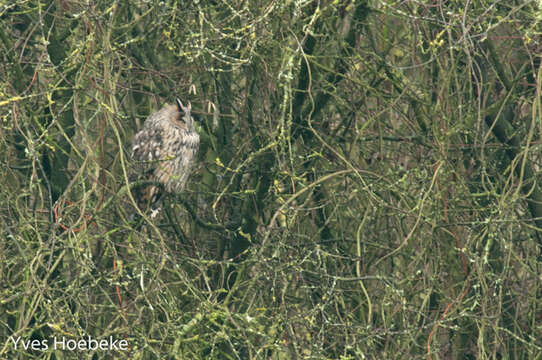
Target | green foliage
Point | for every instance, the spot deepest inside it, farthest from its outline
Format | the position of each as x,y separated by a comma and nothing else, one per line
367,184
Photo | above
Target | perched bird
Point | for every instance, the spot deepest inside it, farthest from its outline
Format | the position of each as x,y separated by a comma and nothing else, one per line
164,151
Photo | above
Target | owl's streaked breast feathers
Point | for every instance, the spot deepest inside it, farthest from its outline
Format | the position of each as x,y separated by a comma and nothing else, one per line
164,151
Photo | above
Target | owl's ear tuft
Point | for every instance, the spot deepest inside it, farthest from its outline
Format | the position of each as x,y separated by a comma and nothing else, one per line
182,108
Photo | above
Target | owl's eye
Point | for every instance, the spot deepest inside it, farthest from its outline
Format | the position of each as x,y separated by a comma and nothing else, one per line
179,120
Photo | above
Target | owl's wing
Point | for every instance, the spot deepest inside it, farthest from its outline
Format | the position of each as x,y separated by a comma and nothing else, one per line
147,145
146,152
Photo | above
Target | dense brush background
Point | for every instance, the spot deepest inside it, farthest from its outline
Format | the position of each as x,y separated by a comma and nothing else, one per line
368,185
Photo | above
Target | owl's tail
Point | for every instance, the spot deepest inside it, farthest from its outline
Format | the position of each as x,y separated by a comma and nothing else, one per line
148,198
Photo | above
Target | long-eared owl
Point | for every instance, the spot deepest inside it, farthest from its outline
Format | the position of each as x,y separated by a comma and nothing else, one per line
164,151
